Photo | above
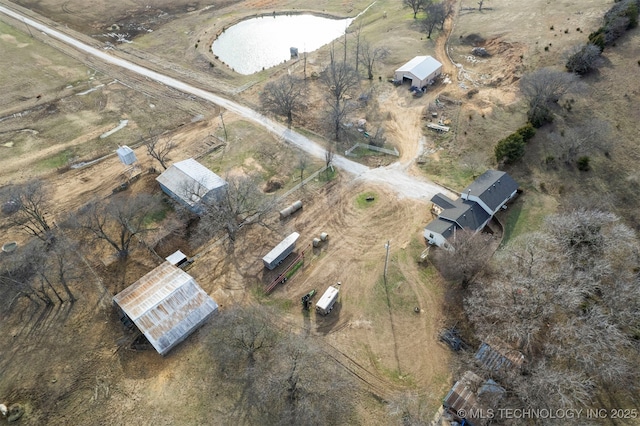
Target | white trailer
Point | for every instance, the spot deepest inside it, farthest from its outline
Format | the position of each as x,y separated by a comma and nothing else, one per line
328,299
280,252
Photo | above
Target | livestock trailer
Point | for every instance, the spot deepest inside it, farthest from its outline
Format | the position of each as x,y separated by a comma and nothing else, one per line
280,252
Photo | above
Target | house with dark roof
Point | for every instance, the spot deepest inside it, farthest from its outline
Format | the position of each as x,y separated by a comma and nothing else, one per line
491,190
473,210
191,184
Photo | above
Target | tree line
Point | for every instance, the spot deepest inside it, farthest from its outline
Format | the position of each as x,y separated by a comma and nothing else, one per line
566,296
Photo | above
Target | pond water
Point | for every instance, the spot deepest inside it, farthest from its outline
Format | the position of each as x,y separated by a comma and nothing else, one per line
264,42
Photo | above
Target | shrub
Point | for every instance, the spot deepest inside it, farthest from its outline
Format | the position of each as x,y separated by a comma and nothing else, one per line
584,59
510,149
539,116
597,38
583,164
526,132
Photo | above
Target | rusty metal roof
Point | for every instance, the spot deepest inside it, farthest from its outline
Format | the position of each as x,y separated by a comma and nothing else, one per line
495,354
462,397
166,305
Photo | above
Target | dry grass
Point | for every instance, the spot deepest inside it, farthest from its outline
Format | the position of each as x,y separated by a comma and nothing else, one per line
141,383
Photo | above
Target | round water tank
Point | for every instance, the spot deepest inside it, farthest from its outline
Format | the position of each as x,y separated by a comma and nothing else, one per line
316,242
10,247
324,236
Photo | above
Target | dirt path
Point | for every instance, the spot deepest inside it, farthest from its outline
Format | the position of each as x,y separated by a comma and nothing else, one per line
442,42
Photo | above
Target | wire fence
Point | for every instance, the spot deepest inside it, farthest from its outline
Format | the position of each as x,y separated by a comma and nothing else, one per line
372,148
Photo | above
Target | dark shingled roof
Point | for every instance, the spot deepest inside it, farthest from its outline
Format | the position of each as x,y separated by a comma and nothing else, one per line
442,227
443,201
493,187
467,214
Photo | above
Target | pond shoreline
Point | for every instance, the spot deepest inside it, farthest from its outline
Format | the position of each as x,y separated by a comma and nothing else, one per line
219,32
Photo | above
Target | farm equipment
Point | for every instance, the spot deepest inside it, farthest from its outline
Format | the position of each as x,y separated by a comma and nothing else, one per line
306,299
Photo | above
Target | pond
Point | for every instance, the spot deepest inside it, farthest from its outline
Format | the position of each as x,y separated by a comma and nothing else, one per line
264,42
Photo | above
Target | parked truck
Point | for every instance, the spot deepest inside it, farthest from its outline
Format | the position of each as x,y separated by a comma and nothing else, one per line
280,252
328,299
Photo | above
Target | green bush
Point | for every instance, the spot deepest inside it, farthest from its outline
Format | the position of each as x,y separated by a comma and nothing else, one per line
527,132
539,116
510,149
583,164
597,38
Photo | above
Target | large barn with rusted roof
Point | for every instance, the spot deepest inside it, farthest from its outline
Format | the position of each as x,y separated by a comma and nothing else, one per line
166,305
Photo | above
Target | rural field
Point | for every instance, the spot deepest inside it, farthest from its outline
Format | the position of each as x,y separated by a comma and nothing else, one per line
377,358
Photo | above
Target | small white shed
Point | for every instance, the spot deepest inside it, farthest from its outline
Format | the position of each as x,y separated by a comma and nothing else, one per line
420,71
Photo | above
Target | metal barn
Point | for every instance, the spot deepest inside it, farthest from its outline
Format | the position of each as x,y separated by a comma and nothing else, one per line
420,71
190,183
166,305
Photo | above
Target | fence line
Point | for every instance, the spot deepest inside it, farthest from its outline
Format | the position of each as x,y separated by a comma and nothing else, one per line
304,182
373,148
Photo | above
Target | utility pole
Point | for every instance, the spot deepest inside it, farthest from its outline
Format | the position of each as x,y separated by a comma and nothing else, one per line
224,128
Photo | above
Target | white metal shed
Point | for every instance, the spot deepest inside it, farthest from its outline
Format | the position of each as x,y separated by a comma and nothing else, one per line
190,182
420,70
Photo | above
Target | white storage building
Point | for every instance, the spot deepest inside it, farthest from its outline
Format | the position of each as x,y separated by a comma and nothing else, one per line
420,71
191,183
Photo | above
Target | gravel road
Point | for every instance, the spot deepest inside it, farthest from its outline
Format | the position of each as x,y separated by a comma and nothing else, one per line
394,175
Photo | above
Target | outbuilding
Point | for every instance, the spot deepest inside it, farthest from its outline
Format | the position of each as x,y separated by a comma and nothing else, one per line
166,305
420,71
191,184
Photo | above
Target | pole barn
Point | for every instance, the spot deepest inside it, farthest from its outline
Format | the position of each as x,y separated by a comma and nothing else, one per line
421,70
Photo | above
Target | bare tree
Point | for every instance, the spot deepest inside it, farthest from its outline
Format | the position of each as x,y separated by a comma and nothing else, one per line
469,256
328,156
338,78
565,296
26,206
158,148
584,58
436,15
416,5
543,88
281,378
241,204
284,96
369,55
19,280
335,116
117,220
580,139
65,265
357,34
